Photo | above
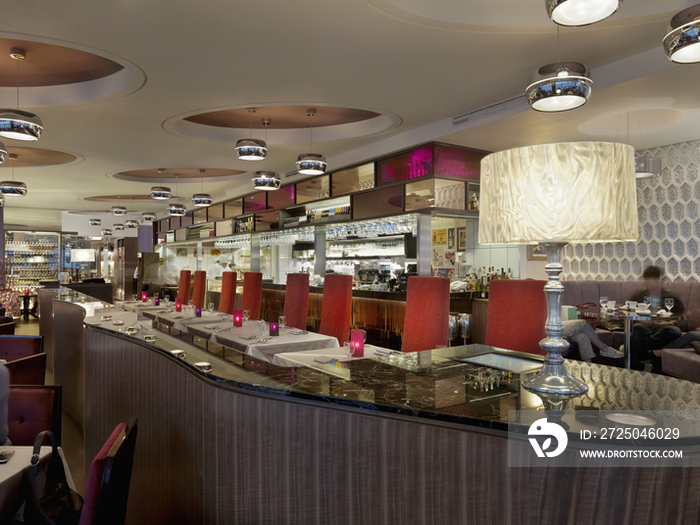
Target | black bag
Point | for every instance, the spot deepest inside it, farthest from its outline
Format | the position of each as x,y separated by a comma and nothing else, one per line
51,500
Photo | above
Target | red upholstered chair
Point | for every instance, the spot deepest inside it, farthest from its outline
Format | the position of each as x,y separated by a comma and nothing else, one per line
183,290
427,313
336,312
30,370
516,315
107,491
252,294
13,347
33,409
228,292
199,289
7,325
296,300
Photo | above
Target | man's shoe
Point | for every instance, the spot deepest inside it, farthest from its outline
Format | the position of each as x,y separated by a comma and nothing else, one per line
612,353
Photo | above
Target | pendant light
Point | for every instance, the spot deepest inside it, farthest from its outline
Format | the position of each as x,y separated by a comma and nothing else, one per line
131,223
175,209
202,200
251,149
576,13
3,153
266,180
106,232
645,167
2,200
119,211
118,226
95,222
161,193
12,188
682,43
17,124
311,163
148,216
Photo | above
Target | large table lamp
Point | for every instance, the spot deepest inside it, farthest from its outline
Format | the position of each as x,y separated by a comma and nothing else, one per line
554,194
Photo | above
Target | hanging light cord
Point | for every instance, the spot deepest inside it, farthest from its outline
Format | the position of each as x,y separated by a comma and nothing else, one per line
558,60
639,125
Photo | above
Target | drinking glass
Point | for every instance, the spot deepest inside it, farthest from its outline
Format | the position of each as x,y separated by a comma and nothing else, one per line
246,316
134,297
156,295
647,301
264,328
603,303
282,321
166,298
210,308
349,349
668,303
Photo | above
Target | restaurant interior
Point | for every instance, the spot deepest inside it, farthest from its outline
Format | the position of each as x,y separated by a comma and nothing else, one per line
342,282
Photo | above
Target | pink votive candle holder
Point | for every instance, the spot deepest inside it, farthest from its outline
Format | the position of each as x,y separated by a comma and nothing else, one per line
197,311
178,305
357,340
238,318
274,328
144,297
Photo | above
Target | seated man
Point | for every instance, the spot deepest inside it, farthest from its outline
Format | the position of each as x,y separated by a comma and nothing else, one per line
650,336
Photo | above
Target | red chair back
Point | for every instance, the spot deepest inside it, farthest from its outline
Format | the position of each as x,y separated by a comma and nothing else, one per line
200,288
228,292
13,347
183,290
30,370
107,492
336,312
252,294
296,300
32,409
427,313
516,315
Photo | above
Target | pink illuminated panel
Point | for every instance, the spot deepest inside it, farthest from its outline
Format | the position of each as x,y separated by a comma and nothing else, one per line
411,165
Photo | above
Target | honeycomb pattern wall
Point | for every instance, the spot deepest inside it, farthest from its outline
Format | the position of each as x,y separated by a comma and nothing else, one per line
669,225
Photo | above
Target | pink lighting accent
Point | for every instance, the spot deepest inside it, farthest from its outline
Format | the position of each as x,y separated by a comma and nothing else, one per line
357,339
144,297
157,301
198,312
178,305
274,328
237,318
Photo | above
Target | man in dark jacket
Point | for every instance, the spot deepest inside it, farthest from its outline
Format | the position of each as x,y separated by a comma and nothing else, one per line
649,336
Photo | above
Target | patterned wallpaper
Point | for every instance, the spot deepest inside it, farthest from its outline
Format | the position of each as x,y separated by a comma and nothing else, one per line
669,226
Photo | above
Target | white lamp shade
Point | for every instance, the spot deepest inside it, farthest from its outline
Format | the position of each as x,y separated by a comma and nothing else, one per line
566,192
581,12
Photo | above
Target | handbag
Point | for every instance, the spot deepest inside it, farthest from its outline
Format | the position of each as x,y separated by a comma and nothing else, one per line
51,500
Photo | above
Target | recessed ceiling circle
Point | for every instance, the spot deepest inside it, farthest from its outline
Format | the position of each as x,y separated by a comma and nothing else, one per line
162,175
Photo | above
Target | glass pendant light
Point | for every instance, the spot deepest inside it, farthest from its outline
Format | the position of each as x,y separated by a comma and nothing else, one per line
266,180
119,211
311,163
576,13
682,43
17,124
13,188
161,193
251,149
202,200
95,222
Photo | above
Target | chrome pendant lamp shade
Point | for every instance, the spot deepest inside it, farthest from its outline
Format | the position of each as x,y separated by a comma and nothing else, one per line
251,149
148,216
682,43
118,226
12,188
95,222
574,13
161,193
130,223
119,211
202,200
311,164
559,87
20,125
3,153
106,232
266,180
646,167
2,200
177,210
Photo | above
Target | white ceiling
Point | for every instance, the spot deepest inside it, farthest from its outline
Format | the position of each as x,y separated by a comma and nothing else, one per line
419,62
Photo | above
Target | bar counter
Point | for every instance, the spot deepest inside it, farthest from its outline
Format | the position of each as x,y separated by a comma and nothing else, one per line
402,439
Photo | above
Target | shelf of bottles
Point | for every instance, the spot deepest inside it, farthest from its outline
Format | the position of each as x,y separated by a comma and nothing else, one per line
480,279
322,215
30,258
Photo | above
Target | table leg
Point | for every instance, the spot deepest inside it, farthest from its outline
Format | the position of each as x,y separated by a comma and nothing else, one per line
628,345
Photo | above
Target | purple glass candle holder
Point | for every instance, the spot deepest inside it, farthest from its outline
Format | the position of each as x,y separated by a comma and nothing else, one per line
274,328
197,311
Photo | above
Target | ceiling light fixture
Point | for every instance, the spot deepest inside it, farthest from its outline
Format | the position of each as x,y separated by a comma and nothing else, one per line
118,226
148,216
12,188
119,210
645,167
176,210
576,13
559,87
16,124
202,200
161,193
131,223
2,200
682,43
106,232
311,163
3,153
251,149
266,180
95,222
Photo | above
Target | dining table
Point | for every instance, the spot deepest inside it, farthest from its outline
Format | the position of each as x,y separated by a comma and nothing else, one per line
14,487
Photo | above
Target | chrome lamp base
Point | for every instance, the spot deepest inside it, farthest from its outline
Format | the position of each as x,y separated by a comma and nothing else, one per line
554,378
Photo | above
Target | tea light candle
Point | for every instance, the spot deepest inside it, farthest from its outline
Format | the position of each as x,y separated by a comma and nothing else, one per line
157,300
178,305
357,338
274,328
144,297
238,318
197,311
26,292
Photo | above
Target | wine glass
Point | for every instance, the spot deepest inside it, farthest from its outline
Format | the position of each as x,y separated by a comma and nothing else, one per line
603,303
264,328
668,303
246,316
166,298
210,308
453,328
134,297
282,321
349,349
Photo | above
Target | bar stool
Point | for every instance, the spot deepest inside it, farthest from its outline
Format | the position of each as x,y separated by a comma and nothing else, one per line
199,288
426,322
516,315
296,300
183,290
252,294
336,312
228,292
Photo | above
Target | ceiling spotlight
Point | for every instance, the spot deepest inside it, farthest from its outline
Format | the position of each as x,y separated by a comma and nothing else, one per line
16,124
266,180
3,153
161,193
11,188
148,216
118,210
118,226
646,167
559,87
580,12
95,222
131,223
176,210
106,232
202,200
311,164
682,43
